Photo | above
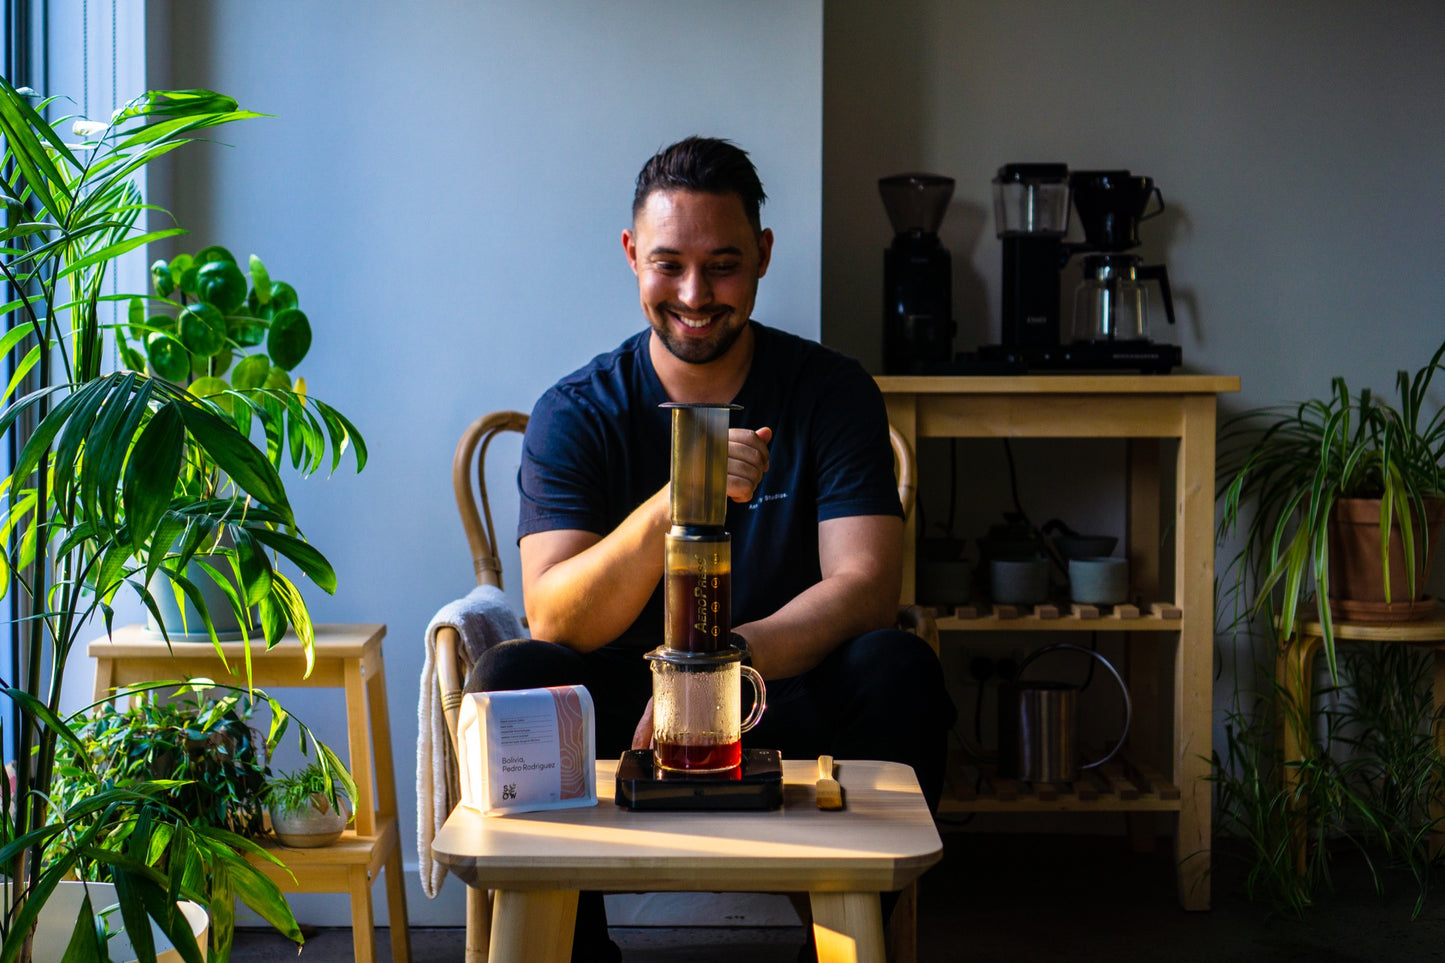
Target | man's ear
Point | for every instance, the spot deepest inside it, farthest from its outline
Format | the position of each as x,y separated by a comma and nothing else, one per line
629,247
765,250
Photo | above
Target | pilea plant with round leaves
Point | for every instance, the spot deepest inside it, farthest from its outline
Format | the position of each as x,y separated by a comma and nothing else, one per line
211,321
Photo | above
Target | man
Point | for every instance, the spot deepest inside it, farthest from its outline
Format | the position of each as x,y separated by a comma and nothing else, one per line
813,507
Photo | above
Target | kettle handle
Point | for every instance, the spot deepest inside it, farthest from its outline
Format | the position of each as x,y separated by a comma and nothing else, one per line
1160,273
1123,690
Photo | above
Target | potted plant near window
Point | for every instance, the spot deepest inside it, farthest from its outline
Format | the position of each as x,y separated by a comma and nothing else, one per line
100,496
1333,489
308,807
202,769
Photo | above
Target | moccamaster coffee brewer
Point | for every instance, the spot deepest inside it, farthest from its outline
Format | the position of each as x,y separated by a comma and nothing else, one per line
1110,324
918,324
697,673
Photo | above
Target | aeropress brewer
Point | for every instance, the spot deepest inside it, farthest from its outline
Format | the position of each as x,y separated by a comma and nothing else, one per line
698,761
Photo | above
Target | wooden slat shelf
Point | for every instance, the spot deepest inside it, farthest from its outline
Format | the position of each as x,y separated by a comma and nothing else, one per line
1117,786
1058,617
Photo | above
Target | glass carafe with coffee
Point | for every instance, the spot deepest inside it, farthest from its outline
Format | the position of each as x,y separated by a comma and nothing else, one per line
697,674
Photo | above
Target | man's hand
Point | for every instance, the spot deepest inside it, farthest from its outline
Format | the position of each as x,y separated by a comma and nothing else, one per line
642,736
747,461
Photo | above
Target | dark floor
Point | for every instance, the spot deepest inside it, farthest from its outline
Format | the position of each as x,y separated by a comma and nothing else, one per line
1001,898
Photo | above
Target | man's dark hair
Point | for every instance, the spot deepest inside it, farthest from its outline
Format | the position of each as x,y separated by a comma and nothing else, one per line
708,165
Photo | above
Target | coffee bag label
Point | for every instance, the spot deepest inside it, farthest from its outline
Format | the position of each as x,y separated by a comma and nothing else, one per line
527,749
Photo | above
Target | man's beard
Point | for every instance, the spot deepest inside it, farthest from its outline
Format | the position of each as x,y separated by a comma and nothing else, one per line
697,351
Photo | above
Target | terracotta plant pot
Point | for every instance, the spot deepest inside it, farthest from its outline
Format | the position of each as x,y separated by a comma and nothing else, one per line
318,824
1357,587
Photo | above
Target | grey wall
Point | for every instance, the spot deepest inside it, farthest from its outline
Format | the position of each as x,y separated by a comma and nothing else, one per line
1297,146
445,184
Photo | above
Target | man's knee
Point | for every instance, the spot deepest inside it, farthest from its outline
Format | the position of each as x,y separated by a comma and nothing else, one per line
524,664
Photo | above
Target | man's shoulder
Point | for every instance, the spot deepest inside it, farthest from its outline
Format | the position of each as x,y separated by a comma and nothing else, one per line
798,356
605,381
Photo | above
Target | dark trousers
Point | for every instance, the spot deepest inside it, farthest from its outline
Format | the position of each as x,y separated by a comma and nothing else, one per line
878,696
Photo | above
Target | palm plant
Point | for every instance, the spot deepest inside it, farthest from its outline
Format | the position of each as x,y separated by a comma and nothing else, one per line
1289,465
102,494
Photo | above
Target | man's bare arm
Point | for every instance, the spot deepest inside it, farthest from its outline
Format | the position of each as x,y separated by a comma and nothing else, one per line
861,559
583,590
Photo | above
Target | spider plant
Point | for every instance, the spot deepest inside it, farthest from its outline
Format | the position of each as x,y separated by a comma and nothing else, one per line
1285,467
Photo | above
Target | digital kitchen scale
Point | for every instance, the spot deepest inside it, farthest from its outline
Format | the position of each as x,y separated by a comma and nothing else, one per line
756,784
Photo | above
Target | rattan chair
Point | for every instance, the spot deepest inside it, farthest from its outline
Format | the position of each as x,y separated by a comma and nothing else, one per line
469,483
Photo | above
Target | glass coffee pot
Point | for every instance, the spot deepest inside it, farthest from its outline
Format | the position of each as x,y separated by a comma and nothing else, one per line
1111,303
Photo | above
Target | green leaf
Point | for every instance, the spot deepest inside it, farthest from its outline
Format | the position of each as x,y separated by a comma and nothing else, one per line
260,281
254,565
161,279
212,254
152,471
168,356
202,329
237,457
251,372
289,338
221,283
306,557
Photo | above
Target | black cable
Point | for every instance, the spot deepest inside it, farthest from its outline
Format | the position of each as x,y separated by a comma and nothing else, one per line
1013,481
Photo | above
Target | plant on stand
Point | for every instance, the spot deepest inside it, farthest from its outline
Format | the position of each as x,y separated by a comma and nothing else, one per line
1292,480
102,496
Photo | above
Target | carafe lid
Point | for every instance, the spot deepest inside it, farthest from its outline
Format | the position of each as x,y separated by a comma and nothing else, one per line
1032,173
699,660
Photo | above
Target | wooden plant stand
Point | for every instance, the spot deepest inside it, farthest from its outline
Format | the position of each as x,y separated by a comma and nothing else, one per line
348,657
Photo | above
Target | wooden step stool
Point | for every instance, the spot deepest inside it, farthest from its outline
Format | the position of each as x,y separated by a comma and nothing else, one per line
348,657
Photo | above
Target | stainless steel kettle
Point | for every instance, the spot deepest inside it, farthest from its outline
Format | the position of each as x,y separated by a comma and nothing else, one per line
1038,739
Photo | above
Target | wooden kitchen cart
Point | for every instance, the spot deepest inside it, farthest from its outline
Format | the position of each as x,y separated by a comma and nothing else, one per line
1143,409
348,657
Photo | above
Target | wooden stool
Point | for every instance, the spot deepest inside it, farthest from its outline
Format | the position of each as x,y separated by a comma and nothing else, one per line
348,657
1295,674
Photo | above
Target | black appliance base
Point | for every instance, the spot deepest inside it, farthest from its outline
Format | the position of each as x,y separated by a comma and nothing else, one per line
1146,357
756,784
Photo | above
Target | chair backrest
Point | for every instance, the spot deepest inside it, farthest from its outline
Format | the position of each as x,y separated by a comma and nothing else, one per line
903,469
469,483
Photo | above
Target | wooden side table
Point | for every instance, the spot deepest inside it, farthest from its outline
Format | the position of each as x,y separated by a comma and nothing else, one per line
348,657
1295,674
883,840
1177,620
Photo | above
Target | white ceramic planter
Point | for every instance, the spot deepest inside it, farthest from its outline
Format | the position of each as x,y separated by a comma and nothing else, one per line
319,824
57,922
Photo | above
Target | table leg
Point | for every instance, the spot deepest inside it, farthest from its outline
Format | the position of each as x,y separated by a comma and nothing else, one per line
397,922
358,737
1294,673
1437,806
1194,662
363,925
479,924
533,926
104,679
848,927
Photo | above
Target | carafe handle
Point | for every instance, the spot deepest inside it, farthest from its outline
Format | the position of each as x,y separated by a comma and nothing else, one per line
1158,210
1160,273
760,697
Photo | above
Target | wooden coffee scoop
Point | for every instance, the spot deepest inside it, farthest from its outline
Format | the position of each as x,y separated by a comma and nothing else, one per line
830,794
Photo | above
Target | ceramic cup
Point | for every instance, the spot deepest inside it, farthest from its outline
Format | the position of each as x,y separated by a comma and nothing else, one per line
1099,581
1019,581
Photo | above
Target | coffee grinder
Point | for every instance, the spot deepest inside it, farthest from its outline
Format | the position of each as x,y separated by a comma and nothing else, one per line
1110,328
697,673
918,325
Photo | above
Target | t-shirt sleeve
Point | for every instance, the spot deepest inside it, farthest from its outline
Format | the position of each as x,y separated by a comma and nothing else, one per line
559,481
854,456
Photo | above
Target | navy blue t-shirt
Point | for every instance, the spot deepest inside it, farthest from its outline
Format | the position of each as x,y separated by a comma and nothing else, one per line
598,446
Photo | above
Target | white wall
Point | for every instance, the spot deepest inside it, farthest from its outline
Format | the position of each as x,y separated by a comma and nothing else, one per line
445,184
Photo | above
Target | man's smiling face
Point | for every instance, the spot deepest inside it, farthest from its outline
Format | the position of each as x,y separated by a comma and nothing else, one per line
697,260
